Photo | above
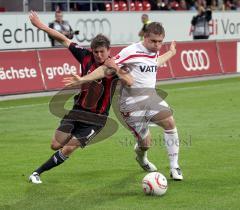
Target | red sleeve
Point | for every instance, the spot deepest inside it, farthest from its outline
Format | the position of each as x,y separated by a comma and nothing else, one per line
78,52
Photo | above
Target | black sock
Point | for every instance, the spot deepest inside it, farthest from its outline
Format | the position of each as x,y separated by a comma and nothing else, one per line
57,159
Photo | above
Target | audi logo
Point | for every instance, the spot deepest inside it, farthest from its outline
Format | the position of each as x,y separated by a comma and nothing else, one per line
90,28
193,60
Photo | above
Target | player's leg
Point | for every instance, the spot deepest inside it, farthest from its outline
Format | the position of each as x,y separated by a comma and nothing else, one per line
59,156
141,148
139,128
62,136
171,141
81,135
56,159
63,133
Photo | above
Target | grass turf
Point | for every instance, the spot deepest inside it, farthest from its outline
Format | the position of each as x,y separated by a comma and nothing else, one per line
106,176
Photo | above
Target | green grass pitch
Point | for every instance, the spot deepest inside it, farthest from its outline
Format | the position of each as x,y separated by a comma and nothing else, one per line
106,176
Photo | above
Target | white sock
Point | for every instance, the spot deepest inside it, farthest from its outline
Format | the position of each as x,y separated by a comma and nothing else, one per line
142,155
172,144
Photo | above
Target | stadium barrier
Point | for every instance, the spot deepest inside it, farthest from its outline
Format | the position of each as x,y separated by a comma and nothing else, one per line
25,71
225,25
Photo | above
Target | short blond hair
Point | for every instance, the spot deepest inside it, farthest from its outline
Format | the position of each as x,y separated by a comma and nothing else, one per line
155,28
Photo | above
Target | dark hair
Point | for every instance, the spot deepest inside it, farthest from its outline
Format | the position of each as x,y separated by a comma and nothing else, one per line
155,28
100,41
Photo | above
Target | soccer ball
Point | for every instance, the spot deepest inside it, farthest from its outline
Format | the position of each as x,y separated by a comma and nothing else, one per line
154,183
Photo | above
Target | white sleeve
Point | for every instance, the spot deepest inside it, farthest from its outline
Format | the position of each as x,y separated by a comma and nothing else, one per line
123,57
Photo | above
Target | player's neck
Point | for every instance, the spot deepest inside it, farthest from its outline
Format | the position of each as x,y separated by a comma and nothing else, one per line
144,45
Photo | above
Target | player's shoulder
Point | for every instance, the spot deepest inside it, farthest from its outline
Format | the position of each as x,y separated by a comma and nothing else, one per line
131,49
74,47
77,46
134,46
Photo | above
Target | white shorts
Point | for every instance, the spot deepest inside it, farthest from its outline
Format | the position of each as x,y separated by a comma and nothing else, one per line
138,120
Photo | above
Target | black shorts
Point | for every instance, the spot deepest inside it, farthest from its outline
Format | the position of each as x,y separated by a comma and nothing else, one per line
82,131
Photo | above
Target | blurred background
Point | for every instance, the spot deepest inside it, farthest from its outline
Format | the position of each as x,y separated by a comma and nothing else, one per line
120,5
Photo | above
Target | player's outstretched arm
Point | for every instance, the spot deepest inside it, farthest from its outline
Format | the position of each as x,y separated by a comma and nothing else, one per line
75,80
99,73
169,54
51,32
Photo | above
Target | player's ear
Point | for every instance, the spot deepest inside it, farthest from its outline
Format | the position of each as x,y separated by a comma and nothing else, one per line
109,52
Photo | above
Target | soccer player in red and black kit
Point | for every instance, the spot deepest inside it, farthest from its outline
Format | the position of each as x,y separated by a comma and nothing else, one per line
77,132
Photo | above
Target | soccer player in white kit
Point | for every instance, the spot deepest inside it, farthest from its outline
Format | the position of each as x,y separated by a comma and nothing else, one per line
139,103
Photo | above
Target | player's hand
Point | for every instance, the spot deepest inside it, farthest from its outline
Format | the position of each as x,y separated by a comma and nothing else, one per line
35,19
72,81
173,47
110,63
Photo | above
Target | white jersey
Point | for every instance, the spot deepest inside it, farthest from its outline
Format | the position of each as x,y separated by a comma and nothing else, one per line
142,65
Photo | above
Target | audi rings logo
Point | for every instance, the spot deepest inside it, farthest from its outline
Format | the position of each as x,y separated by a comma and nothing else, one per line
89,28
193,60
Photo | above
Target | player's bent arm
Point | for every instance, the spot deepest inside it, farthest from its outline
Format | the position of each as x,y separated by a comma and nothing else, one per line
51,32
125,77
165,57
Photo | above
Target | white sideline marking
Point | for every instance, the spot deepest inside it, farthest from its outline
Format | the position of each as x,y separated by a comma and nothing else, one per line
238,57
22,106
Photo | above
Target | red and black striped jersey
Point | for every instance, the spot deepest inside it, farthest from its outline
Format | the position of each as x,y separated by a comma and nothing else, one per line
94,96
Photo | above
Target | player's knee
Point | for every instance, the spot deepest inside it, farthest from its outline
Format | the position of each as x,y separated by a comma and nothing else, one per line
55,145
169,123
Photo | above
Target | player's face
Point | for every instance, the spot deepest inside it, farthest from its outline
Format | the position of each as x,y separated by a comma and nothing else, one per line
153,42
101,54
